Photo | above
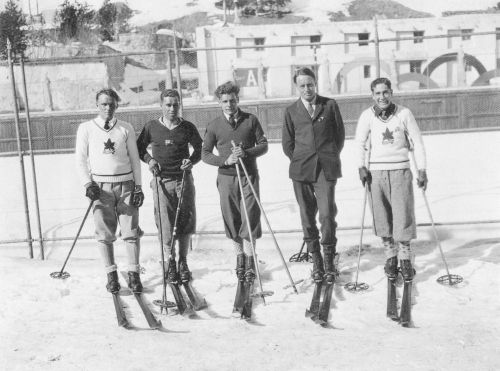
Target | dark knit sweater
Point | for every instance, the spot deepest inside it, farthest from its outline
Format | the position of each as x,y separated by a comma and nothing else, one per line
169,147
247,132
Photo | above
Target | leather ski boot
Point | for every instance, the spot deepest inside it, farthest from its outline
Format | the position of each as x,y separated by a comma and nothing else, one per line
407,270
250,270
134,282
240,266
330,269
172,275
391,268
318,269
113,285
184,272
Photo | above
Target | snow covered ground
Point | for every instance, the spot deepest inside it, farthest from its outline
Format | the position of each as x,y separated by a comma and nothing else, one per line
49,324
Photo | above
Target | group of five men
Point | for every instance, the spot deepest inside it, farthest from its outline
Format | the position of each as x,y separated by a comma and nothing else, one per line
108,157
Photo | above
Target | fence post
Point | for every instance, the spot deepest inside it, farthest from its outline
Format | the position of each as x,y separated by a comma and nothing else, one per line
19,148
377,45
32,157
178,70
168,77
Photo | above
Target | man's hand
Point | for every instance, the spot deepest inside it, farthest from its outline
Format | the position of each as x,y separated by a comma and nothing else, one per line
422,179
231,160
92,191
186,164
365,176
154,167
238,151
137,196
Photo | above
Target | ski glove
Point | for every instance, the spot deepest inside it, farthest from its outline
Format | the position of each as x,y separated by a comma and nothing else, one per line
154,167
92,191
186,164
365,176
422,179
137,196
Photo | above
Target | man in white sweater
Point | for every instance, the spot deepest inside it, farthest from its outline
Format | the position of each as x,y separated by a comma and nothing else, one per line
385,135
109,167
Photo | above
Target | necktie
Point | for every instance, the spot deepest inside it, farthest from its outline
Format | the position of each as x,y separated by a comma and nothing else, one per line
106,125
232,121
310,109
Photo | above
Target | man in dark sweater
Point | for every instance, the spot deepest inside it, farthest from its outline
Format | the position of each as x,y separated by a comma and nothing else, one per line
170,137
245,131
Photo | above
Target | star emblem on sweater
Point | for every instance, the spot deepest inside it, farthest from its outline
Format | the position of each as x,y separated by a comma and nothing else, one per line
109,147
387,136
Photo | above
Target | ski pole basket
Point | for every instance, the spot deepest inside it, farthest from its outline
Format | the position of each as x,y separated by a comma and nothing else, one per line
356,286
60,275
301,256
164,304
262,294
450,279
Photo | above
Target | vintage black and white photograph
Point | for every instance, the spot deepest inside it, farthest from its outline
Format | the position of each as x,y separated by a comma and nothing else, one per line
249,185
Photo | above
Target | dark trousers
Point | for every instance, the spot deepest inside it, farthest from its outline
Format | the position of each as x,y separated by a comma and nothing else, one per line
231,204
313,197
169,194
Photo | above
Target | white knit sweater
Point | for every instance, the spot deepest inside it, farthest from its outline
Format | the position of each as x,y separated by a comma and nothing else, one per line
385,142
109,156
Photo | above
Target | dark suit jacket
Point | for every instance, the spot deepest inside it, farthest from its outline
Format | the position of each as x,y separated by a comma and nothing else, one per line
313,143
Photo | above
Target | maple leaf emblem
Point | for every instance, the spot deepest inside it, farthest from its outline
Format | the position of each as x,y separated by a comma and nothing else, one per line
109,146
387,136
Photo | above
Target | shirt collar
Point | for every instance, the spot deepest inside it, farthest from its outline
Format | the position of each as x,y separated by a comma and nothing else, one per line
100,121
236,115
168,124
306,103
384,114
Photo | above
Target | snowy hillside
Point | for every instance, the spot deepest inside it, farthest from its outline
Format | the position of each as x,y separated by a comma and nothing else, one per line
49,324
157,10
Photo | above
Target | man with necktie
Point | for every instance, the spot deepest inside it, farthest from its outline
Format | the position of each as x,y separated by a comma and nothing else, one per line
313,137
110,170
243,129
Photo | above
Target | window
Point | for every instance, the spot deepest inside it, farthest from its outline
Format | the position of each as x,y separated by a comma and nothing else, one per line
416,66
259,41
458,35
305,41
466,34
366,71
418,37
315,39
250,46
363,38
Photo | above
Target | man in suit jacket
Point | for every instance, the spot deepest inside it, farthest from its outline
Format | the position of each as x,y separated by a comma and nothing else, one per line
313,137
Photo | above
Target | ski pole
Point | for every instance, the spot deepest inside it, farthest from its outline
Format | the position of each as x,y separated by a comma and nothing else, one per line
61,274
451,279
267,222
177,213
355,286
245,211
163,303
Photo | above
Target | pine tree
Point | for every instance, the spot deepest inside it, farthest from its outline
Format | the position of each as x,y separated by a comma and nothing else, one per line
12,27
75,21
113,18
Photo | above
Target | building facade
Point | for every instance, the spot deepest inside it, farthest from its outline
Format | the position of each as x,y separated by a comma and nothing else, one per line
416,53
